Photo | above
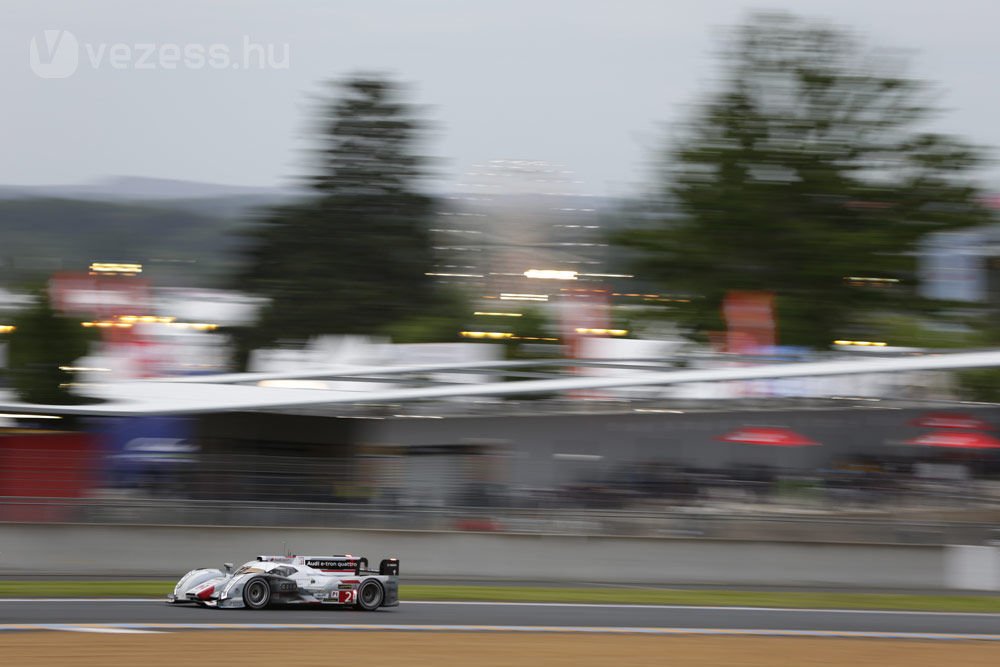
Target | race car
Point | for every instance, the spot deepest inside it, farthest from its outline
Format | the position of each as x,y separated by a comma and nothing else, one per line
343,580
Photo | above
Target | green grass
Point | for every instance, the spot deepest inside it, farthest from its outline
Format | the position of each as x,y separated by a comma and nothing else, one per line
721,598
85,589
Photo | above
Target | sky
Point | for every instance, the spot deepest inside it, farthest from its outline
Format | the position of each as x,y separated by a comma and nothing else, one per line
224,91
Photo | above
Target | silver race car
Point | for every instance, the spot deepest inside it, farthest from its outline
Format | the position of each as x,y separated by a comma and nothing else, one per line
343,580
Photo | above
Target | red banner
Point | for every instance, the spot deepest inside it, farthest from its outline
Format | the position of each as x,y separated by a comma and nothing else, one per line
749,322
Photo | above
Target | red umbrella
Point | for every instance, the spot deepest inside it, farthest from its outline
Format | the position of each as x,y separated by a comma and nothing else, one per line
951,420
956,440
769,436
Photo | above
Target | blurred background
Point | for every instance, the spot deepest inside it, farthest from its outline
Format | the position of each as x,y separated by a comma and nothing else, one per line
198,189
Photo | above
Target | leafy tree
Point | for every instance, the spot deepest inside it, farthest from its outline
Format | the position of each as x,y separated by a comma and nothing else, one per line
530,331
534,323
809,166
40,344
352,259
446,316
982,384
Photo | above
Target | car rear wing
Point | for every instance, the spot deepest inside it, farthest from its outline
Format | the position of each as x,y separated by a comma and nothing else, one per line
389,566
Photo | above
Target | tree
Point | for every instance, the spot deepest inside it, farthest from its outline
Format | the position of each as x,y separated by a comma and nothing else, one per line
353,258
808,167
442,322
41,345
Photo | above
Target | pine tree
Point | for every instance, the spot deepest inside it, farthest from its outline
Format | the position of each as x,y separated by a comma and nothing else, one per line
353,258
42,344
807,168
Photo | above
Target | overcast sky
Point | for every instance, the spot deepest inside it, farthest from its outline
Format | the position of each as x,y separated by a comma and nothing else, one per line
591,84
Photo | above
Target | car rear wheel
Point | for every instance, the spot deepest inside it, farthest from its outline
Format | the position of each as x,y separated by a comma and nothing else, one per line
256,594
370,595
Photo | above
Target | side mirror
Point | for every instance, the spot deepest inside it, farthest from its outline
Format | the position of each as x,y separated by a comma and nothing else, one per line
229,567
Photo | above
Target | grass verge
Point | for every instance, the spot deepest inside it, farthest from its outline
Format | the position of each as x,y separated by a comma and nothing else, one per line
720,598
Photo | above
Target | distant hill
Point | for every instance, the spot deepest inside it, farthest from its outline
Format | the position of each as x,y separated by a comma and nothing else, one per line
190,234
184,232
178,246
134,188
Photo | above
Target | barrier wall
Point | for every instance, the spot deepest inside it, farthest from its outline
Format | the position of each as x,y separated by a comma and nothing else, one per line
971,567
122,550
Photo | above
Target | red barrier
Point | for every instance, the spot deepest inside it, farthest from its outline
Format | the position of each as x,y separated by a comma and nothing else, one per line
46,465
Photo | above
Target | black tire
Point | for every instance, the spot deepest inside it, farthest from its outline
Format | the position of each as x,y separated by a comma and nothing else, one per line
370,595
256,593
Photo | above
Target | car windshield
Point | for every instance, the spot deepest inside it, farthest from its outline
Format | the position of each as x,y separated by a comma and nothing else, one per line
248,569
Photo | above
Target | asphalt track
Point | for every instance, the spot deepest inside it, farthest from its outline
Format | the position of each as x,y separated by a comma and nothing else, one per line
485,616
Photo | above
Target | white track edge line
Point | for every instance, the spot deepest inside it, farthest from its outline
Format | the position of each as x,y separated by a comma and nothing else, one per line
734,632
809,610
812,610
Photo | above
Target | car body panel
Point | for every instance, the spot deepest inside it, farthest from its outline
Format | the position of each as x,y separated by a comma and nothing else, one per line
330,580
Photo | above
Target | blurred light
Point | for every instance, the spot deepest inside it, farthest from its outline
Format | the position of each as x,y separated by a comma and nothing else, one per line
861,343
11,415
511,296
659,298
112,268
873,280
607,275
6,328
486,334
81,369
496,314
550,274
199,326
128,321
147,319
455,275
107,324
602,332
865,281
577,457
